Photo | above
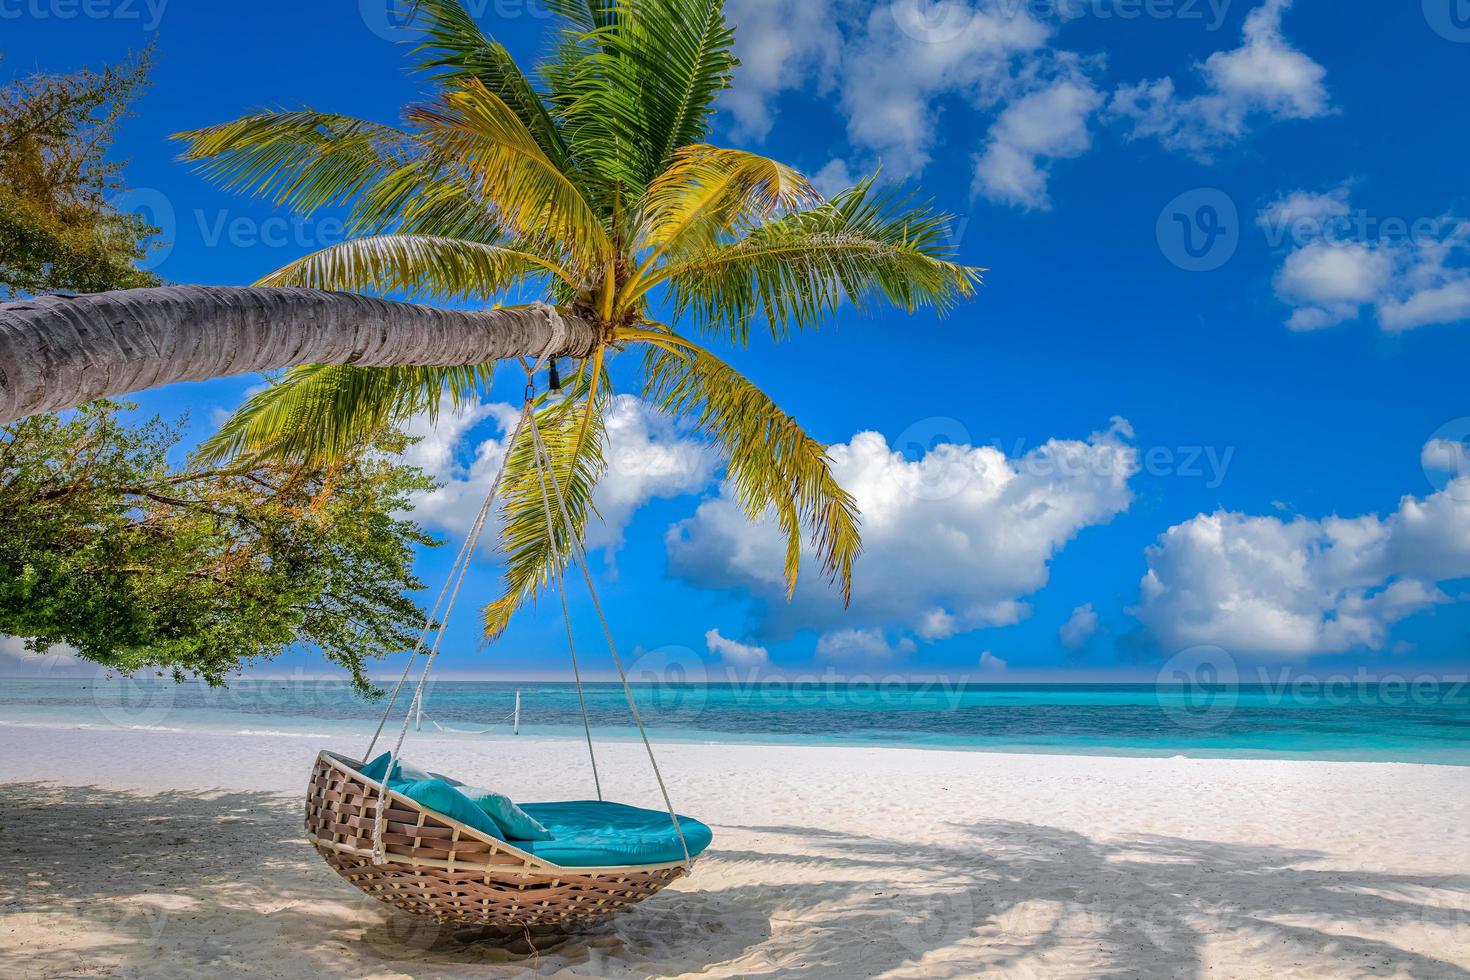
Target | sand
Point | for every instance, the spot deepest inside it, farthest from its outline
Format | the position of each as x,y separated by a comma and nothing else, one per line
176,854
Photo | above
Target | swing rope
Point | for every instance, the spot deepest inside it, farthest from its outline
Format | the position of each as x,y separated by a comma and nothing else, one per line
544,460
458,571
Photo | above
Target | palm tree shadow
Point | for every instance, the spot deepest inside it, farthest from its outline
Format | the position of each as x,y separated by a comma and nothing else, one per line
128,880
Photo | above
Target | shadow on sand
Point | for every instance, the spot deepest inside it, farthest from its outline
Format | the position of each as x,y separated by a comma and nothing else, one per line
184,883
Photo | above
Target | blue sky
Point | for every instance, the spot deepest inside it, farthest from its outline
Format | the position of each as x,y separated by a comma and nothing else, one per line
1212,392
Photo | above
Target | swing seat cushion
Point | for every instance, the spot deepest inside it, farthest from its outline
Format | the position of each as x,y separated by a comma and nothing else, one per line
592,834
438,795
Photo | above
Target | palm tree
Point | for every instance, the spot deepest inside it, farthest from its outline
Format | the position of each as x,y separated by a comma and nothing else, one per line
589,185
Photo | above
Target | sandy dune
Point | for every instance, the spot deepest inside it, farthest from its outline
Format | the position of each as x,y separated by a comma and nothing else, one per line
165,854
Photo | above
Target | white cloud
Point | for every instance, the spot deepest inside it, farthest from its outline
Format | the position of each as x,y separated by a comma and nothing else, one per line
647,458
991,663
1079,627
18,661
780,47
834,177
735,653
1264,78
861,646
953,542
1256,584
1048,124
1330,283
1341,262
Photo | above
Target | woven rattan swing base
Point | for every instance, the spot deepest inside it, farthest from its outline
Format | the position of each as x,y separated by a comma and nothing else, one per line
435,866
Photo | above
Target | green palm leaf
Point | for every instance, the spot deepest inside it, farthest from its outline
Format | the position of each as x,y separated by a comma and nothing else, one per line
303,160
530,194
771,462
315,413
454,48
534,549
797,271
416,265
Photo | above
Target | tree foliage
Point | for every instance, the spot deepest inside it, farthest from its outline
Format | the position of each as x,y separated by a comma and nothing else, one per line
201,570
57,230
589,182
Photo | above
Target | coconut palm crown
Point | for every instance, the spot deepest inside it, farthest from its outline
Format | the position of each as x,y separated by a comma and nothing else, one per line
588,183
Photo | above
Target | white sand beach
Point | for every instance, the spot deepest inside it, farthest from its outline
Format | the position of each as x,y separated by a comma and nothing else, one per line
171,854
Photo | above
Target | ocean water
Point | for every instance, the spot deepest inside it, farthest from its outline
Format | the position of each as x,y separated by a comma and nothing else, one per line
1346,720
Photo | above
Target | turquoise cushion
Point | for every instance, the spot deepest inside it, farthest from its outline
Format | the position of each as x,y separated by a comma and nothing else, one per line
517,824
404,770
591,834
439,796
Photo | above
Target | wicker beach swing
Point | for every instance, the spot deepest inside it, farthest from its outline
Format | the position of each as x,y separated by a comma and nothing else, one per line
428,863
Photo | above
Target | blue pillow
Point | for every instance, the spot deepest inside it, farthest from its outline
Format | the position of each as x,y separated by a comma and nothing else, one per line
515,822
378,767
438,795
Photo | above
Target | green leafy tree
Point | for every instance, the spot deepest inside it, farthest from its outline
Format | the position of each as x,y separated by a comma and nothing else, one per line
588,183
57,229
203,570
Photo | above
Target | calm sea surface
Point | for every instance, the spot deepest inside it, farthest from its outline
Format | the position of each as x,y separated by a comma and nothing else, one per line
1423,722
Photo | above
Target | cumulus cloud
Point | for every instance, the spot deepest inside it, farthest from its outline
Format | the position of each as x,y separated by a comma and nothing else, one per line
1048,124
734,653
1261,584
1266,78
16,660
861,646
1340,263
781,48
914,78
647,457
1079,627
953,542
990,663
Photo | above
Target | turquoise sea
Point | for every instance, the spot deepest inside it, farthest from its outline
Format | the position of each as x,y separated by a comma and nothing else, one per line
1343,720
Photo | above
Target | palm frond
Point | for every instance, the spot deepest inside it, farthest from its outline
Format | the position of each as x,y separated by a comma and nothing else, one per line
534,549
455,48
415,265
770,461
707,192
530,194
317,413
639,82
796,271
302,159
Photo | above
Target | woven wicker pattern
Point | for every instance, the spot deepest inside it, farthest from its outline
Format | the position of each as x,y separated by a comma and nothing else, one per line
439,867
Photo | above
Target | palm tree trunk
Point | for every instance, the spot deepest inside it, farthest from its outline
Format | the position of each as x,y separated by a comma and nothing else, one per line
58,352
